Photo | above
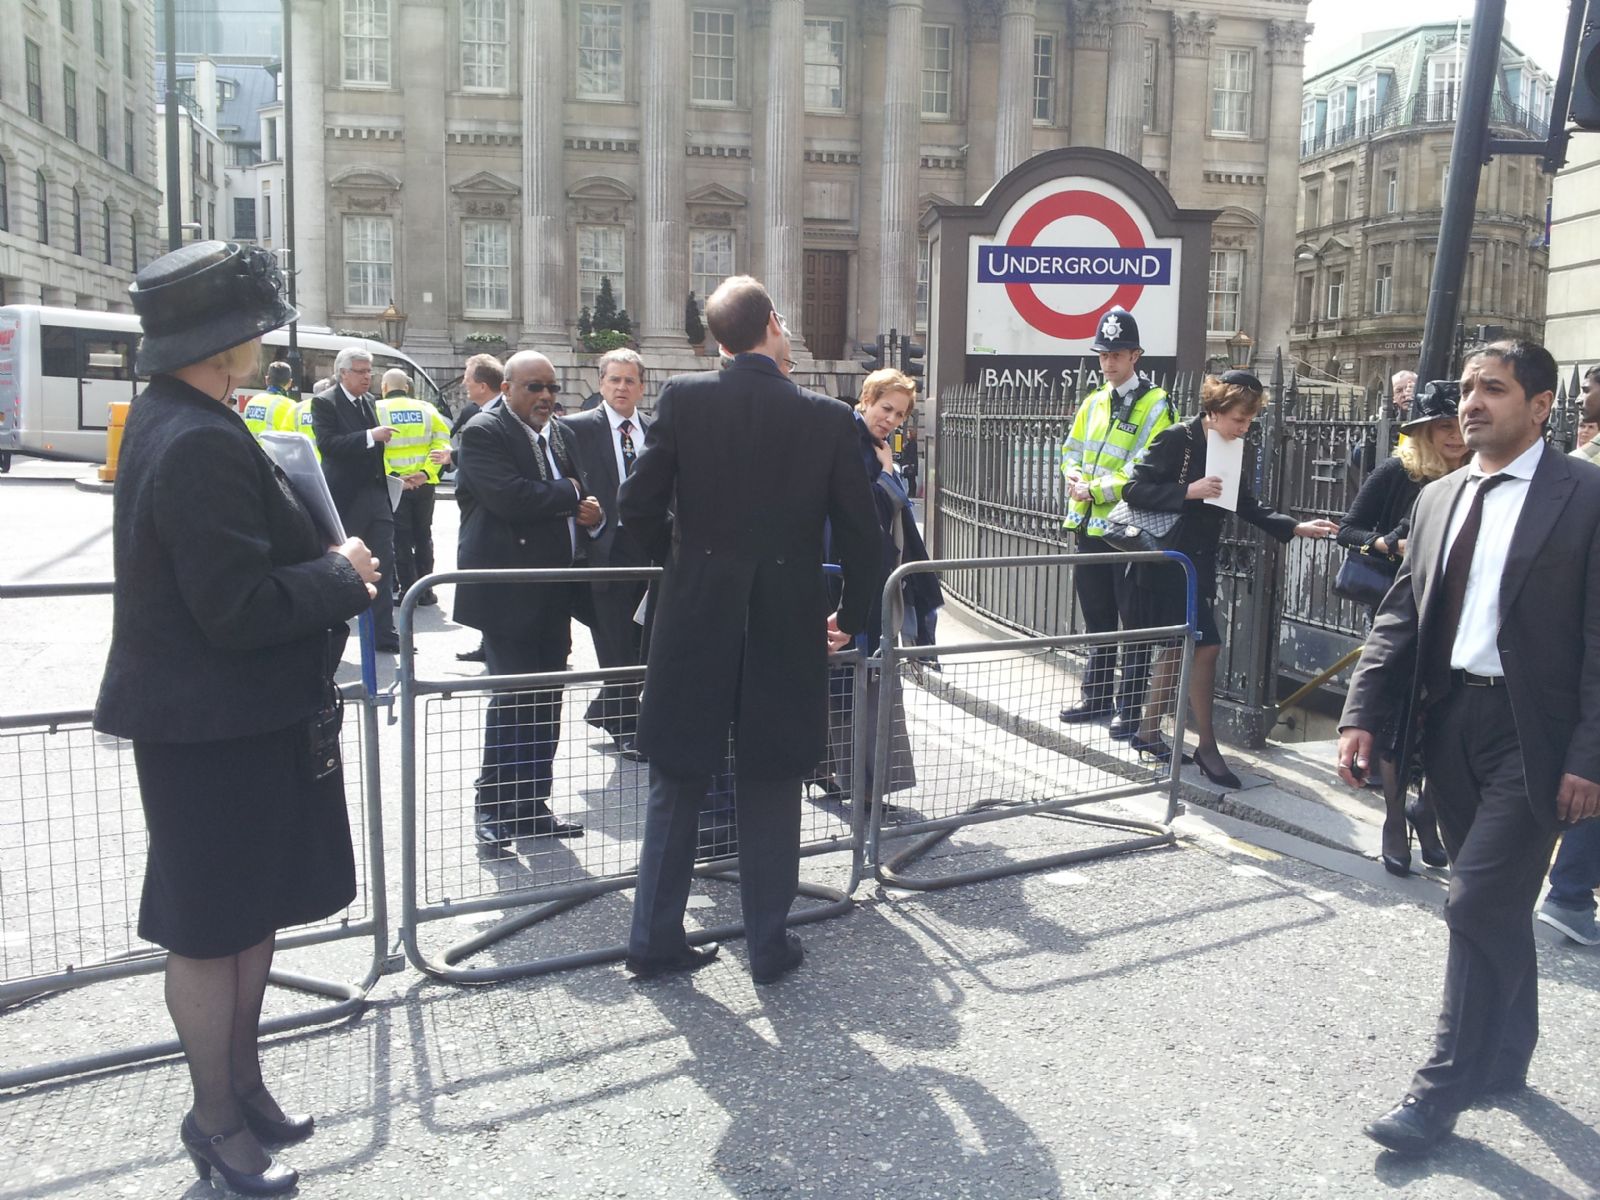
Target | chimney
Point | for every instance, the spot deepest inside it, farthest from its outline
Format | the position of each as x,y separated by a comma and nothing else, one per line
205,92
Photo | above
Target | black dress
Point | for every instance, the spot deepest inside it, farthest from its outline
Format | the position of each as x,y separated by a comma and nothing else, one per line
1160,483
228,620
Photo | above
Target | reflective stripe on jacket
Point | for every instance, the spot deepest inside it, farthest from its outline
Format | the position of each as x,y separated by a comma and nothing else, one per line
1109,436
418,430
265,410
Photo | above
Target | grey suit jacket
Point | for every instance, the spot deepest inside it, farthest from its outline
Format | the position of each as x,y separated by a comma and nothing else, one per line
613,547
1549,636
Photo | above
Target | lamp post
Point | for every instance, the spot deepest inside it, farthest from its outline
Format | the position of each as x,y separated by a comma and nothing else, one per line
394,325
1240,345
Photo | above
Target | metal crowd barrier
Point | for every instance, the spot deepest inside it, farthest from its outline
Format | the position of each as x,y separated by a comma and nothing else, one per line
968,734
445,876
72,849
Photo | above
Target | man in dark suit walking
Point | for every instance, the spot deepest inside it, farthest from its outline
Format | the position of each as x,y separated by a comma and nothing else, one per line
345,421
752,467
1493,626
524,504
610,437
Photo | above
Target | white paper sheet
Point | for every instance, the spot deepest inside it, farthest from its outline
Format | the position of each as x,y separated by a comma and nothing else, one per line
1225,458
295,458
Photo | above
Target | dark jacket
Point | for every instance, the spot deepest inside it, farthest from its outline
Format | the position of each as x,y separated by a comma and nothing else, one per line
922,593
511,517
1381,509
754,467
1160,483
354,470
615,545
1549,638
228,608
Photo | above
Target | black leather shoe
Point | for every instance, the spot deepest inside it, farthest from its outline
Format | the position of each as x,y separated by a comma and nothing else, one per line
470,655
1086,710
495,837
388,645
293,1128
631,752
1411,1127
691,958
428,599
206,1154
551,826
796,955
1123,728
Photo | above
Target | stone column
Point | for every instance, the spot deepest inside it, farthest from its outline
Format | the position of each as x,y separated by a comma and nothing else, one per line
1191,105
902,129
544,234
1091,38
311,217
783,190
423,265
1125,84
1286,43
1013,136
665,232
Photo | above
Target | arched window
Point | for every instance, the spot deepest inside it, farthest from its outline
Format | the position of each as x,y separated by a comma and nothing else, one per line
43,192
105,228
77,221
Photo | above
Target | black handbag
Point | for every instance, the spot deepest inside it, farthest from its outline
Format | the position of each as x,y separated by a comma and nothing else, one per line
1133,529
1364,579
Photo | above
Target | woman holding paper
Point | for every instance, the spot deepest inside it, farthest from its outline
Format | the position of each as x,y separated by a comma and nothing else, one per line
228,621
1172,477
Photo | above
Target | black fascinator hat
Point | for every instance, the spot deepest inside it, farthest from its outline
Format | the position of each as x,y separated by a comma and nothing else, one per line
202,299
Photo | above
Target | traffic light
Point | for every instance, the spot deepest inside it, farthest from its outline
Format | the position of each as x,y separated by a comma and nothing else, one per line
873,356
911,356
1586,79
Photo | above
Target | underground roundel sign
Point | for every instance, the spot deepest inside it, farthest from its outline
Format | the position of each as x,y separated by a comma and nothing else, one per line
1065,253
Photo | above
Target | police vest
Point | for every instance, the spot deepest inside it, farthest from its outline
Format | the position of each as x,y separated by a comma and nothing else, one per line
296,418
263,412
1109,435
418,430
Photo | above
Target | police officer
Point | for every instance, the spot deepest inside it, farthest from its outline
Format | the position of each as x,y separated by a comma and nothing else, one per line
272,409
1114,425
419,450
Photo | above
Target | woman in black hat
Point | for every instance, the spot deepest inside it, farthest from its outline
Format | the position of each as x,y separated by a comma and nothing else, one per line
1376,526
228,622
1172,478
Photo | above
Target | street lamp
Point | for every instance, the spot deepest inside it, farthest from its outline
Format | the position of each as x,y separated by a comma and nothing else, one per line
394,325
1240,345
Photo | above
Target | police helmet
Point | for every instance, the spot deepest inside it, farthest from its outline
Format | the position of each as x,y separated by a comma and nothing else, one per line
1118,331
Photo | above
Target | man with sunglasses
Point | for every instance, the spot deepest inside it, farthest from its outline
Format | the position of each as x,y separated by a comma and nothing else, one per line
523,504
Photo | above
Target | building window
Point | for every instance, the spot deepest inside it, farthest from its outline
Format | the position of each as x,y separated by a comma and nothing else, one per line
1152,49
1230,92
211,162
1303,298
1308,124
105,230
194,210
1383,289
1341,198
244,218
34,78
937,57
600,51
824,63
211,220
5,198
102,126
711,81
133,243
127,40
1367,105
99,9
1391,190
1444,86
77,221
127,139
1313,207
42,206
69,16
710,259
485,30
368,262
599,257
924,274
486,268
69,92
366,43
1338,113
1335,308
266,218
1044,78
1227,283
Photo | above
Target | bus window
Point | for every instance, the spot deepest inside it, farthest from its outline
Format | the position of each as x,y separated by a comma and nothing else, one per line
107,357
58,352
314,365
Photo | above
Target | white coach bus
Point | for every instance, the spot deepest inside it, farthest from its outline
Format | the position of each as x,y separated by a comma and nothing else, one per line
61,368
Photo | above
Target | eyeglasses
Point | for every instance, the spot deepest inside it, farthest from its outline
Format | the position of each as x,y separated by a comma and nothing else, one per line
553,388
783,322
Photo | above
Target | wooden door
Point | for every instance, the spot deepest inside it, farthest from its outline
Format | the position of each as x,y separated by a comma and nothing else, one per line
827,293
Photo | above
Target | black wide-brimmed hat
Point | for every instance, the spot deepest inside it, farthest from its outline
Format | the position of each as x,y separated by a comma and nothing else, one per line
1438,400
202,299
1118,331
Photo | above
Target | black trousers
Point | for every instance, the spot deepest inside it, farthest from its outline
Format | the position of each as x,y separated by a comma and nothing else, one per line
370,518
769,864
523,728
1102,594
617,643
1489,1022
413,535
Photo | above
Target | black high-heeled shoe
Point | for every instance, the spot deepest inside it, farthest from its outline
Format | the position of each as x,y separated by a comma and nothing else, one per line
293,1128
830,789
205,1153
1156,747
1222,776
1396,858
1423,824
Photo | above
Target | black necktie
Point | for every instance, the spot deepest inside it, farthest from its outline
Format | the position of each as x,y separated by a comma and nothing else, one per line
1453,588
627,447
364,407
544,455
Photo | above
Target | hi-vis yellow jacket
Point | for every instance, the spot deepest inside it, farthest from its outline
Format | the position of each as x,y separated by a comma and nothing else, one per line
1109,436
418,429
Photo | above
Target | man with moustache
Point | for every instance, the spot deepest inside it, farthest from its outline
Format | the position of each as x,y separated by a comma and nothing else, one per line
524,504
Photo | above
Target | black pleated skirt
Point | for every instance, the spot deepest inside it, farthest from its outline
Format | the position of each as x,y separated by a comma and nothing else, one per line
243,841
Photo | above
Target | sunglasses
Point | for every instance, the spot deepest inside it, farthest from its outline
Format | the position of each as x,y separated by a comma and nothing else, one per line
553,388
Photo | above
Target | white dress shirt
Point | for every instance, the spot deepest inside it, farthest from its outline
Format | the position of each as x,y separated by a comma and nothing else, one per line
356,401
1475,648
546,433
634,432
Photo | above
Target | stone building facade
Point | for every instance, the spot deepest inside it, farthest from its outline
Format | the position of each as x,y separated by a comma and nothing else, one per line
78,170
668,143
1572,321
1375,142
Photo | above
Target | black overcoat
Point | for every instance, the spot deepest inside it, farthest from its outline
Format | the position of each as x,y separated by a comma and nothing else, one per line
754,467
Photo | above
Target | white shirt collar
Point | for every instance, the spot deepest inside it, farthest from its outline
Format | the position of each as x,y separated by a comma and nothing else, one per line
354,399
1521,467
1123,388
617,418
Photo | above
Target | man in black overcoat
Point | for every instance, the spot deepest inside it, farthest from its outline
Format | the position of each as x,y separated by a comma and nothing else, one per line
1493,623
752,468
524,504
344,420
610,436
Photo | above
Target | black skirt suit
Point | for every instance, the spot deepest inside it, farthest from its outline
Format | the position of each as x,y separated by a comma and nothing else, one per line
229,617
1160,483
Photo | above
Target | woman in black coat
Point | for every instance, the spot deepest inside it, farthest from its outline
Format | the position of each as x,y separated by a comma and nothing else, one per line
228,621
1377,526
1172,478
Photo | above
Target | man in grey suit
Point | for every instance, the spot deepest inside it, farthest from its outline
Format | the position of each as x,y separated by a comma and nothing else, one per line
1492,631
752,468
610,436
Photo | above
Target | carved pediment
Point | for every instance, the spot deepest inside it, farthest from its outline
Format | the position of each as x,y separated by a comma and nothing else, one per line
485,183
366,177
928,199
716,194
602,188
